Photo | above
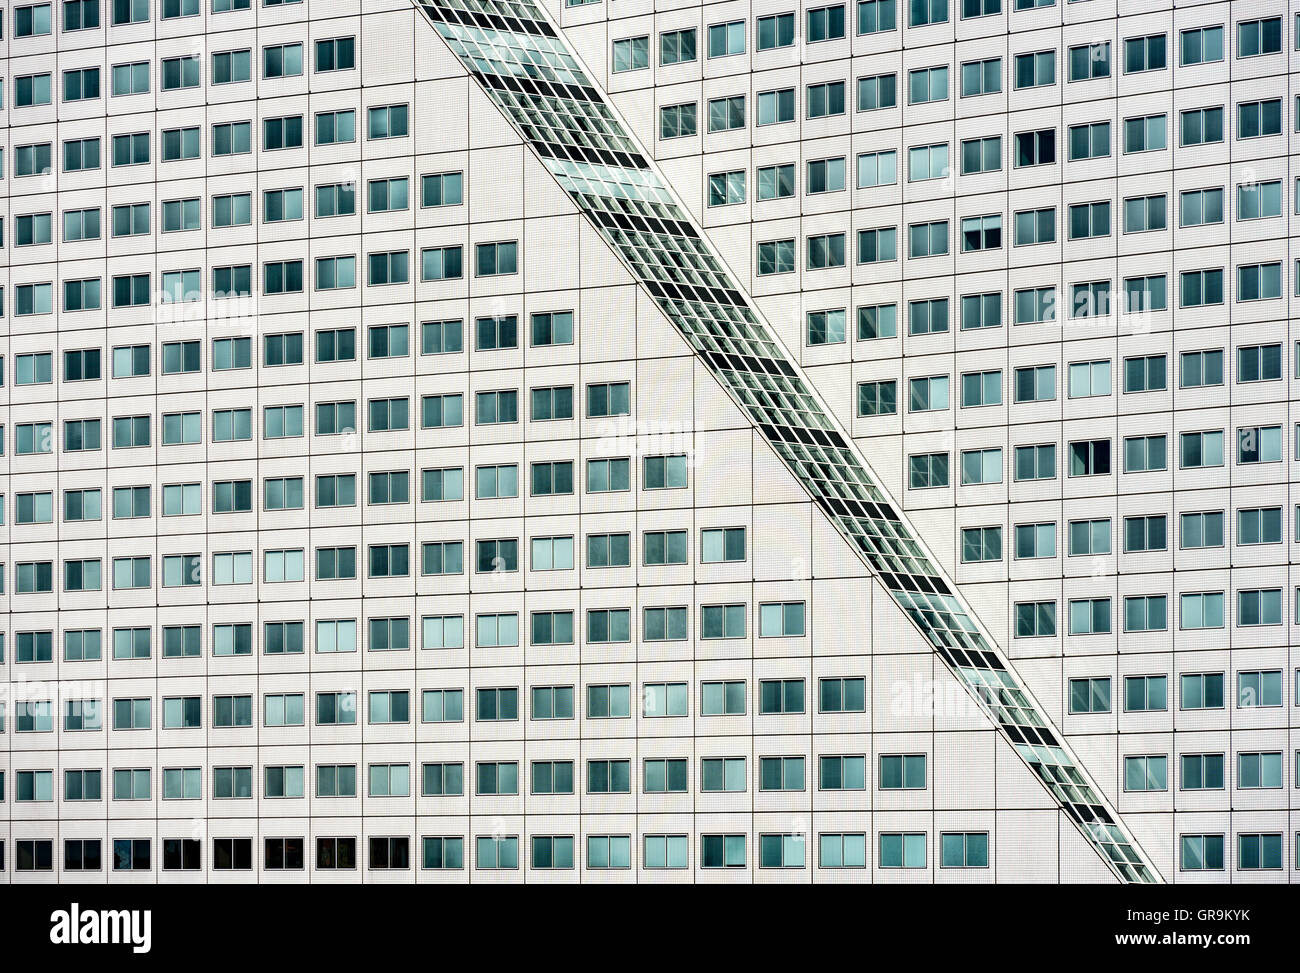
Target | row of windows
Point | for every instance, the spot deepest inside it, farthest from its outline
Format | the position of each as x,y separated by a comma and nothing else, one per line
498,852
384,561
339,490
1258,199
1091,538
1196,288
1141,294
385,341
1256,688
1092,457
278,206
1199,126
827,99
1038,383
1197,45
1198,611
37,19
957,849
835,694
332,419
1143,533
333,345
182,72
604,701
1033,383
1256,770
390,487
495,778
228,139
604,400
1256,607
1199,530
1255,36
278,277
1088,695
1200,45
781,619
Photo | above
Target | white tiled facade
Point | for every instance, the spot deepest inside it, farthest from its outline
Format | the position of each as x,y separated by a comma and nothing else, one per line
212,410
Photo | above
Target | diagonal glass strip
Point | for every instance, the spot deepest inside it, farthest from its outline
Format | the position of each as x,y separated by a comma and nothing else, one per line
528,70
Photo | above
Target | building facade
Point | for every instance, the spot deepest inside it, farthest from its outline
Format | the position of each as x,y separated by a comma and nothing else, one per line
479,440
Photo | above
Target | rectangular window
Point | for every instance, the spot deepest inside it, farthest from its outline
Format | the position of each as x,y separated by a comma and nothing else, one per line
928,394
1146,773
678,46
1259,282
387,121
774,107
1256,119
927,240
1201,610
902,850
1201,126
1259,851
1037,148
725,114
981,466
1256,37
1090,300
1201,690
877,91
982,233
631,54
1090,695
1201,852
1145,694
727,188
877,245
1259,200
926,85
676,121
1259,525
776,257
1034,227
1258,688
1145,133
1200,207
1035,70
1090,141
824,100
1035,619
825,250
927,470
981,77
1259,444
727,39
980,155
878,398
877,168
1201,45
775,31
877,321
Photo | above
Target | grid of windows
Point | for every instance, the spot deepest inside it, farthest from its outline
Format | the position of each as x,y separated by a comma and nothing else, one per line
365,432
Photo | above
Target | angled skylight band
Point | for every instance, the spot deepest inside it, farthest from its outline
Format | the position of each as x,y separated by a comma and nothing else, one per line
528,70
